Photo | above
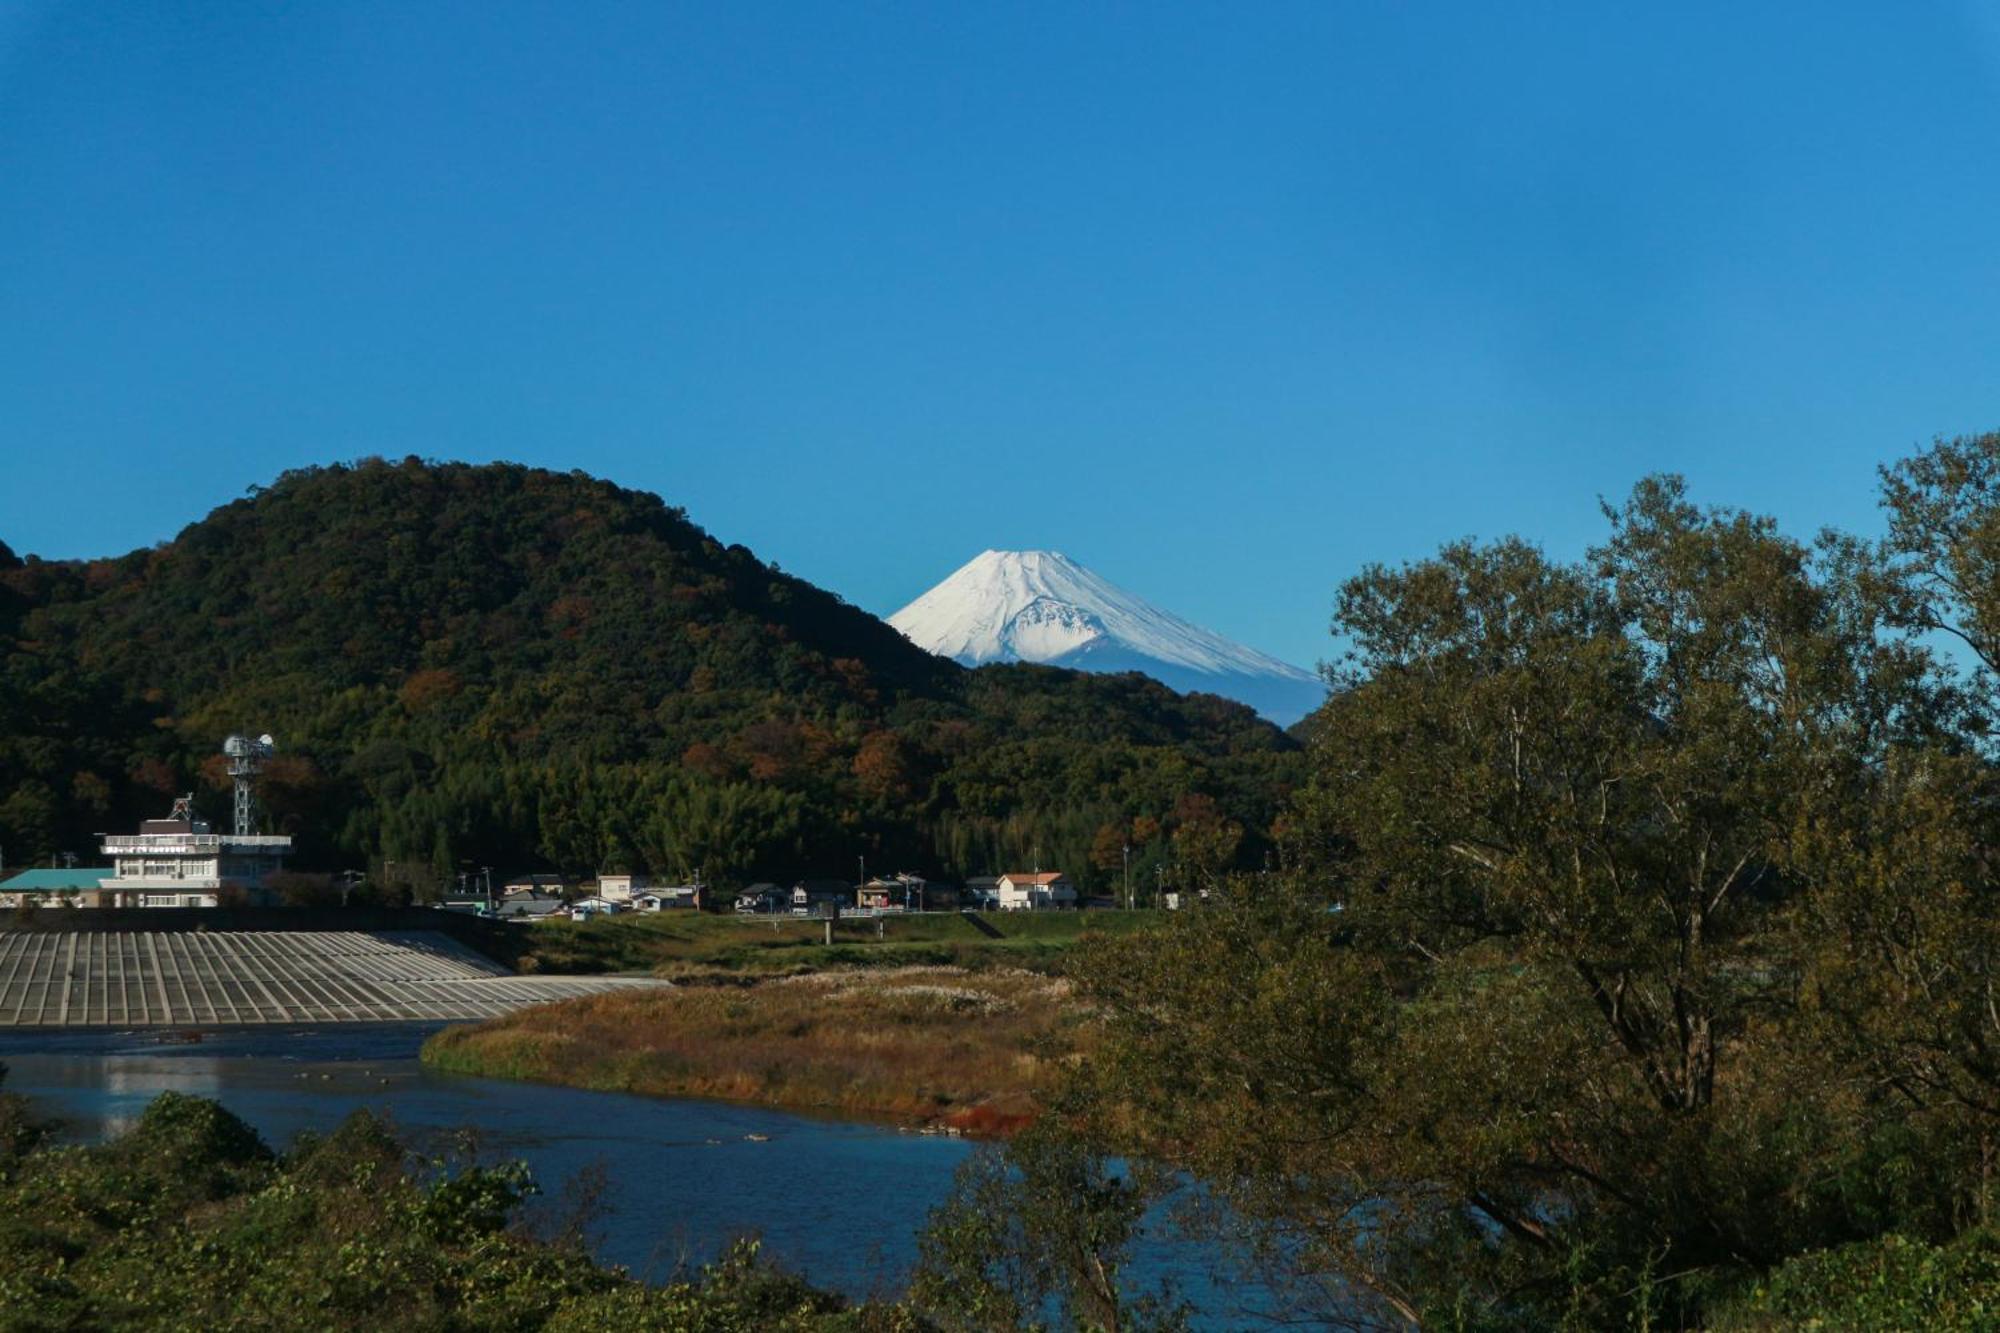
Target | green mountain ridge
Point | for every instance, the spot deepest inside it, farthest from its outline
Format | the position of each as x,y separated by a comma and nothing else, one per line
515,667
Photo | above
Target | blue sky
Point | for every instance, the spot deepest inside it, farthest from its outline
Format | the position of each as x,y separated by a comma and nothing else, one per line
1222,300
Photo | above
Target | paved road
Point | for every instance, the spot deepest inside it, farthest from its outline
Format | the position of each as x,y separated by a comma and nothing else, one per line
203,978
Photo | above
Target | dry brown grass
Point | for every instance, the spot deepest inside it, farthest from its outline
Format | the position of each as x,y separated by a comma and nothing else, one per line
933,1046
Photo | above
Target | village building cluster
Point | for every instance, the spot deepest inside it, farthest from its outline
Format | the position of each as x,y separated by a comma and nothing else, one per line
180,861
548,897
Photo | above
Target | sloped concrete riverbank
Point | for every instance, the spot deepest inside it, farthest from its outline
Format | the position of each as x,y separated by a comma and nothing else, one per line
125,979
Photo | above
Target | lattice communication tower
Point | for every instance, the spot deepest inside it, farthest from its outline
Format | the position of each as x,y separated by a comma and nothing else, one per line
246,759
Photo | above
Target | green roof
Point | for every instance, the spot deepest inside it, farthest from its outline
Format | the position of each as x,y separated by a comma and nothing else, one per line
55,881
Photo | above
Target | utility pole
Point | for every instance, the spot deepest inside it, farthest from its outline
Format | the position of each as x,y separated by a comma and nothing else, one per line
1126,851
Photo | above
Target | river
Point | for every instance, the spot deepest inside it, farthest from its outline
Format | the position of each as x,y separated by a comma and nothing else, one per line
836,1201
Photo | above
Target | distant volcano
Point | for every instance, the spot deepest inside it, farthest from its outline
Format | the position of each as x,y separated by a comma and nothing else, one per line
1041,606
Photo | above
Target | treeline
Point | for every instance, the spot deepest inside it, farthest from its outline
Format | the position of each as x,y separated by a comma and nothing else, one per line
503,666
1637,963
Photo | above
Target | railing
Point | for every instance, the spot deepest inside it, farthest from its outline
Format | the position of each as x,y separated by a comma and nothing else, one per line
163,842
139,844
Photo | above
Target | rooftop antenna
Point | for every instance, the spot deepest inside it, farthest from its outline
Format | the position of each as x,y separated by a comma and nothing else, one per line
246,759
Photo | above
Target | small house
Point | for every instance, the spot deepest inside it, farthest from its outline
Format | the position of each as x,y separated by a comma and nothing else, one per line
1035,892
668,898
897,893
763,897
620,888
811,894
524,908
880,895
535,886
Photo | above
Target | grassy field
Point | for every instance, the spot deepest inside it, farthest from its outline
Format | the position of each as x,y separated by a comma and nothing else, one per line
685,944
935,1046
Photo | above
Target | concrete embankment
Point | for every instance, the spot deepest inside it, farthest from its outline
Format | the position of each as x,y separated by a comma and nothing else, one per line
94,976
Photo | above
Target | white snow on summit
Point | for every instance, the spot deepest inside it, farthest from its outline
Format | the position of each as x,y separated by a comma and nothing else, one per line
1041,606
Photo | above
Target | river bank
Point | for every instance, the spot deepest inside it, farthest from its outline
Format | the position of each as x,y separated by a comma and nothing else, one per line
938,1047
674,1182
836,1201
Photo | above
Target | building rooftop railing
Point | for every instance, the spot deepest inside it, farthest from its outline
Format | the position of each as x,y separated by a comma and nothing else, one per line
155,843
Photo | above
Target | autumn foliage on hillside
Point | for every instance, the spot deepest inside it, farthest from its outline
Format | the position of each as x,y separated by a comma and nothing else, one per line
498,665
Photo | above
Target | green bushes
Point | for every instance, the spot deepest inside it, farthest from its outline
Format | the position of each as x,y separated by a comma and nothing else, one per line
1880,1286
189,1221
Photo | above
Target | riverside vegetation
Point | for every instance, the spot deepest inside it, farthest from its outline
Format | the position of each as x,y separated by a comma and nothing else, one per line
926,1045
930,1020
189,1221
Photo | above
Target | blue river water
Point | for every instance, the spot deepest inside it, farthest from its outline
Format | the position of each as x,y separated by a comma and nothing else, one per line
838,1202
835,1201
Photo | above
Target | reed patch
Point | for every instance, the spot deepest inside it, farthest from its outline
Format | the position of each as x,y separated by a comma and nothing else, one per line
932,1047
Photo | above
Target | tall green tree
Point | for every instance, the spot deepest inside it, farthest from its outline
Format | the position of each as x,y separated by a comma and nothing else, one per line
1547,1026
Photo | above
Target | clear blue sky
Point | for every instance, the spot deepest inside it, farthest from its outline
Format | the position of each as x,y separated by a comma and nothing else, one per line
1223,300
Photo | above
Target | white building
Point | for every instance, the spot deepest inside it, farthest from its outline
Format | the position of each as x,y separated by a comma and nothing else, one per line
180,862
621,888
1036,892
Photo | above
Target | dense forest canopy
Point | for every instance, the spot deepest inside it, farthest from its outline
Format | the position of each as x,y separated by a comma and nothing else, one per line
504,666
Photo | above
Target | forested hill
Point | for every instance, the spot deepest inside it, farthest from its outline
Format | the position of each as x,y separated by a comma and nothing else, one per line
525,668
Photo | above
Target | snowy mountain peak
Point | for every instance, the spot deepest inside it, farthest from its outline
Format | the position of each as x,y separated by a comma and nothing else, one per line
1041,606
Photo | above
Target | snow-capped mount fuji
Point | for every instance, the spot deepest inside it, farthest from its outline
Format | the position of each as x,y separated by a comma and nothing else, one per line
1041,606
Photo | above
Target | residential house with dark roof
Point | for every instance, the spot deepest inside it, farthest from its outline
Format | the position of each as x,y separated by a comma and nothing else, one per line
811,894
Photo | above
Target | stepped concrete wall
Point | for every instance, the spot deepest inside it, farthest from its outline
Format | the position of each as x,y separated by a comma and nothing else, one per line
194,974
499,940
